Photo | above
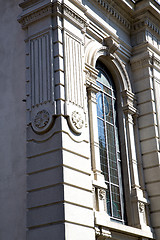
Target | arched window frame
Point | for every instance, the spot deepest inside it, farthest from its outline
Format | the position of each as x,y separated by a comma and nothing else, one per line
134,196
109,147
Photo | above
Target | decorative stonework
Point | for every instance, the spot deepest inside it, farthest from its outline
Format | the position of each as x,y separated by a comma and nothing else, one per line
112,11
146,61
156,62
129,102
102,194
102,233
74,17
111,44
73,66
147,23
141,207
77,120
42,121
40,70
31,17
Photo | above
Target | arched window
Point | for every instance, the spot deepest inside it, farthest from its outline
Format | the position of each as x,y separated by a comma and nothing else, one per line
109,146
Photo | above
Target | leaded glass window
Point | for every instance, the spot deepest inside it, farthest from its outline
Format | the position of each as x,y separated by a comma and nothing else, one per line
109,146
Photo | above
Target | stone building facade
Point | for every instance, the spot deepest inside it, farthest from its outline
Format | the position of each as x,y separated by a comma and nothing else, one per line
80,152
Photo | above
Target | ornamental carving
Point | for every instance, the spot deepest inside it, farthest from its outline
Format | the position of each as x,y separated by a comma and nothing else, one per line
102,194
77,120
113,12
72,15
42,121
141,207
102,233
31,17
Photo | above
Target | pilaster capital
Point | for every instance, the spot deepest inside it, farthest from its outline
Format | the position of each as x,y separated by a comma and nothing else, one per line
91,77
129,101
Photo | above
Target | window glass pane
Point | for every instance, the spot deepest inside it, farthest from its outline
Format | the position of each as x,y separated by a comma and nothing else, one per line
108,109
116,205
100,85
107,90
103,79
102,149
99,105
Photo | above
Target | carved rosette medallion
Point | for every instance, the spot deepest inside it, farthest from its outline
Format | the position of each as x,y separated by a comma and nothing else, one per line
42,121
76,121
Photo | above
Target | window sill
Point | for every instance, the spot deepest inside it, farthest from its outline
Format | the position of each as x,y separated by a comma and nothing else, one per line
102,219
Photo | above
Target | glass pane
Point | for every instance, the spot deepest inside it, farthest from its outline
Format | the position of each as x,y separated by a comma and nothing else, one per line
100,85
116,206
108,109
102,149
107,90
102,78
99,105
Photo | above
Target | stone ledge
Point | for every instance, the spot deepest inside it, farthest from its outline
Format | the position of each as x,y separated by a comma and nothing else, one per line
102,220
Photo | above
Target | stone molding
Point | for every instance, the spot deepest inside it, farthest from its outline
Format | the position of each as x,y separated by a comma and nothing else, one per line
102,233
156,62
31,17
49,9
111,45
74,17
94,50
129,103
113,12
147,60
146,22
139,63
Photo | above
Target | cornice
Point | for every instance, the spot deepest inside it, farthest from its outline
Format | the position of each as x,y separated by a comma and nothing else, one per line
50,9
73,16
114,13
147,23
26,19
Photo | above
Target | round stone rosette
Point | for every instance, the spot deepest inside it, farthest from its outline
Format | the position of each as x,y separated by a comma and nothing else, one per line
42,121
76,120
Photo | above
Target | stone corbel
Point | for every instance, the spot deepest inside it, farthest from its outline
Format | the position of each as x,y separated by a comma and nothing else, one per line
102,233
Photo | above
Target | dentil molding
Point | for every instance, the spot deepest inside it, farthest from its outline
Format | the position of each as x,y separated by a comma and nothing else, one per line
113,12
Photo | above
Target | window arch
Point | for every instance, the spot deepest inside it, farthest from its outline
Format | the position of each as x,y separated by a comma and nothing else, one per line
109,146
